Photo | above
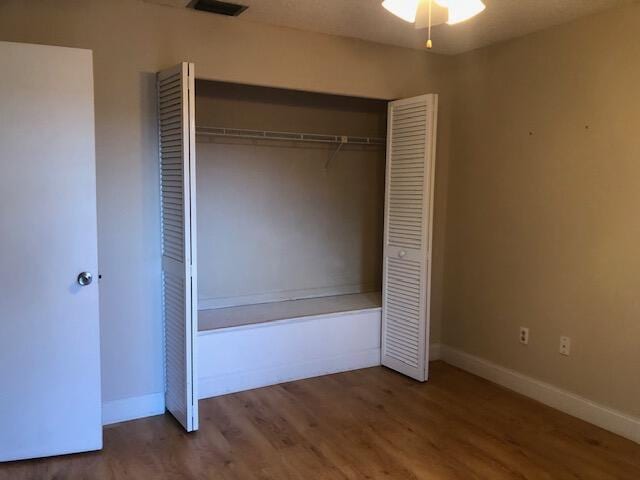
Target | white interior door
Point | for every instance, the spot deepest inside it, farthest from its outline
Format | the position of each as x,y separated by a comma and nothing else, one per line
49,329
176,110
411,142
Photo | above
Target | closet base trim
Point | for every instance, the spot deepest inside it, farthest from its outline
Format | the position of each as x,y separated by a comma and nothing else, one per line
247,380
213,386
235,359
604,417
132,408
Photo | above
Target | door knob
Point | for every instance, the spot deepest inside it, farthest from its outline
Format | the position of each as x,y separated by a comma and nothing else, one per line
402,253
84,279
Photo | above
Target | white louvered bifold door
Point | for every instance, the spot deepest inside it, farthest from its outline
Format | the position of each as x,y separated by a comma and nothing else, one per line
179,280
411,134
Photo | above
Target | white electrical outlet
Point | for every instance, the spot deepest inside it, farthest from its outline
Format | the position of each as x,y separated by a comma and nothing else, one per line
565,346
524,335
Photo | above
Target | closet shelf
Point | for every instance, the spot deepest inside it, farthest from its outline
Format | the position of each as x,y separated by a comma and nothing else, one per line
292,136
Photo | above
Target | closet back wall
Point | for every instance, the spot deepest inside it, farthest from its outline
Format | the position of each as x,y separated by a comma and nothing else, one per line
131,40
273,223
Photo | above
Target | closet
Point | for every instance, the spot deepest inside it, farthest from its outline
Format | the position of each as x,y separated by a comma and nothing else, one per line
298,243
290,213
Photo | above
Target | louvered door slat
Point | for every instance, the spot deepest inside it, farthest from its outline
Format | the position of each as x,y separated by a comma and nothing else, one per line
407,250
177,180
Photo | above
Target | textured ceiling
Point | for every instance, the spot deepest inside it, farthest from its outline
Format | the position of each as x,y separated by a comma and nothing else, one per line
367,20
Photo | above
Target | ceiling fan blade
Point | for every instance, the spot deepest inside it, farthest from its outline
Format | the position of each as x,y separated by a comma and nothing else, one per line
439,15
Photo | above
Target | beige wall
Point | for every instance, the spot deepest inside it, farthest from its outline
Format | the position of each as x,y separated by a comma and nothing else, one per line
131,40
543,228
273,222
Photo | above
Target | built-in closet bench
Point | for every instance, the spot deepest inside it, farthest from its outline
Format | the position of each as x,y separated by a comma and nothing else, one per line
251,346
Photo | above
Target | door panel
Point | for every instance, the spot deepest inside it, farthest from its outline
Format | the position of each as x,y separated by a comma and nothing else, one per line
49,328
176,110
407,239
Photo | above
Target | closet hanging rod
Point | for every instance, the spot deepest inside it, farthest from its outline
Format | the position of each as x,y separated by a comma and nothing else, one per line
297,137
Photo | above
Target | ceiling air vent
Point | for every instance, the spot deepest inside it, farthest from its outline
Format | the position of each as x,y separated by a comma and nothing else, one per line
216,6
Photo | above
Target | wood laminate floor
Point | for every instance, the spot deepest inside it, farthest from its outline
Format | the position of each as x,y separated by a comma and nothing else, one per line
366,424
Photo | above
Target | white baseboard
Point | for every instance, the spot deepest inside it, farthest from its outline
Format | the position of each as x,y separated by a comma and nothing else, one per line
132,408
612,420
262,377
223,302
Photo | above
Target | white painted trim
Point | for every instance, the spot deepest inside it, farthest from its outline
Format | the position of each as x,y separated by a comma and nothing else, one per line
261,377
612,420
223,302
132,408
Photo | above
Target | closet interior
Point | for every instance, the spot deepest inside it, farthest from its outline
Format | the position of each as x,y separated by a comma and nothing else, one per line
290,190
296,234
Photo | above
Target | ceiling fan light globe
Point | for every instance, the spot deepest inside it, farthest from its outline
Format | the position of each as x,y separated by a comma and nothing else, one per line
404,9
461,10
